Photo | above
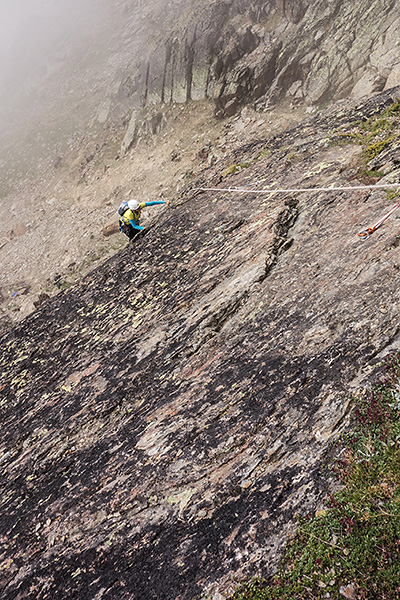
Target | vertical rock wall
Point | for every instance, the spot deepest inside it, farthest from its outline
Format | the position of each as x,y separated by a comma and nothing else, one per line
261,52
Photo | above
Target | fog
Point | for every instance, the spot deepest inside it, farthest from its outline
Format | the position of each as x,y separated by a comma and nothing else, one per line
42,45
34,33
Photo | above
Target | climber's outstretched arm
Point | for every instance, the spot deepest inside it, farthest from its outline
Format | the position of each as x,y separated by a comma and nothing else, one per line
156,202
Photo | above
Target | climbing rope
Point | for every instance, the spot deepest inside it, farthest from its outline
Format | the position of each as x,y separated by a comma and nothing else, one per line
364,233
292,190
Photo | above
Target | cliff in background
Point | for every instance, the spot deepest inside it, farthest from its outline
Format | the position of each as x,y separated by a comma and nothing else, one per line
137,55
166,419
256,52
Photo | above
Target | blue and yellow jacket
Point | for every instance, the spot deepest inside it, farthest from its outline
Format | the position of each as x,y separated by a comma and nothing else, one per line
132,217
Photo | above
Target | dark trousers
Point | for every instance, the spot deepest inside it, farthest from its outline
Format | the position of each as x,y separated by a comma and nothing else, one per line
128,230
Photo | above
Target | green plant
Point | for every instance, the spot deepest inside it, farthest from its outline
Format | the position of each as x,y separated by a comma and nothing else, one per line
4,190
393,109
375,126
392,194
264,152
231,170
374,133
376,148
370,174
353,545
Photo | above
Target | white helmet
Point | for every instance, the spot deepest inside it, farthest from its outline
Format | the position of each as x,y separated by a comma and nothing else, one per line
133,205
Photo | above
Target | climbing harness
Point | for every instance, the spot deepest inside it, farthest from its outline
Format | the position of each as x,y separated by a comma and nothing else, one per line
365,233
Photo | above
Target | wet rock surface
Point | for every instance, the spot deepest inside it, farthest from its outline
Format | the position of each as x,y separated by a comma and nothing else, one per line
166,419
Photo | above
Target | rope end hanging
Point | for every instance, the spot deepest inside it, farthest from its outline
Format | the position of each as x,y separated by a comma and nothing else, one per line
365,233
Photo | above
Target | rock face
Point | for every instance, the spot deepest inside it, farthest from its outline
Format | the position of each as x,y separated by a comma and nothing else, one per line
140,55
166,419
259,51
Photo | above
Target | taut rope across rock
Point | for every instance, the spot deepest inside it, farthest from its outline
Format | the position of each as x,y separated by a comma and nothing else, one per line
364,233
293,190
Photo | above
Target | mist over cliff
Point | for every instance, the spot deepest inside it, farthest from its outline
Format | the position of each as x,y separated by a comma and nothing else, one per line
72,66
52,59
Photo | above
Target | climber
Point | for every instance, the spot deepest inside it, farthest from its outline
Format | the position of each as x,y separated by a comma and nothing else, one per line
129,212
